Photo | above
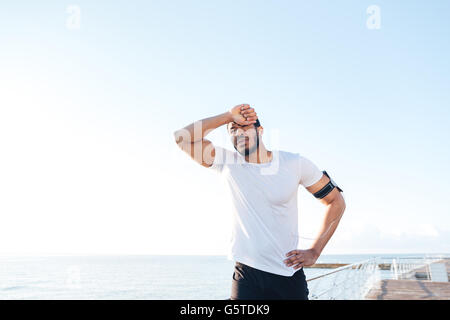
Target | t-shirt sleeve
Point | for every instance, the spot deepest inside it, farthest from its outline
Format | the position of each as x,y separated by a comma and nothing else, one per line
309,173
221,158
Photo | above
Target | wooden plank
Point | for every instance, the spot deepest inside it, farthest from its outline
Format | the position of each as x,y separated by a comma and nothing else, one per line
409,290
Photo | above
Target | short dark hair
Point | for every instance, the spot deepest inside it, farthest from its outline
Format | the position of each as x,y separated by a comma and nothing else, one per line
256,124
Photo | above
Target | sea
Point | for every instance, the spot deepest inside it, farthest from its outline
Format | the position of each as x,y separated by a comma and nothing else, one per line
135,277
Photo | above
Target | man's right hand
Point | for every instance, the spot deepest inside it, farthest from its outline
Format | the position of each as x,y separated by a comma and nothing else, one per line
243,114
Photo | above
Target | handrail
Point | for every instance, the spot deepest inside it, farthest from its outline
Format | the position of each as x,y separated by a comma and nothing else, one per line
405,270
341,268
353,281
342,283
416,258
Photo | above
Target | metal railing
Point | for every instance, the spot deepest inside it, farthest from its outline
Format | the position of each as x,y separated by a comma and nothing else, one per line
353,281
413,268
350,282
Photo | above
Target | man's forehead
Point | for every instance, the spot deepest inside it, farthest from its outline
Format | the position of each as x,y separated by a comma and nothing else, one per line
234,124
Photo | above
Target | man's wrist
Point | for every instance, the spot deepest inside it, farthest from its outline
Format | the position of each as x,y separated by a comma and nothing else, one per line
315,252
228,117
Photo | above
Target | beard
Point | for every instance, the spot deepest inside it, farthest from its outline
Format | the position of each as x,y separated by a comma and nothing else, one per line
248,151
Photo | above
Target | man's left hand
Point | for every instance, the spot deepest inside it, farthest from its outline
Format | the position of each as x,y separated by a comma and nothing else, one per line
301,258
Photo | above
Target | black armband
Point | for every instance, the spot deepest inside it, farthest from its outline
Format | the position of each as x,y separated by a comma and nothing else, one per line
327,188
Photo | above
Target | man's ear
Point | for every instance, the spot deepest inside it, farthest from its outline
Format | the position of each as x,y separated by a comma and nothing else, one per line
260,130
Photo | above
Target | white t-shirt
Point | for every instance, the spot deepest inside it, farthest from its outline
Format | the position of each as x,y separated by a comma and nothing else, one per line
264,206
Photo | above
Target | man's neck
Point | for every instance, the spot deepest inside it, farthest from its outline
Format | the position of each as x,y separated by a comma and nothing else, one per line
260,155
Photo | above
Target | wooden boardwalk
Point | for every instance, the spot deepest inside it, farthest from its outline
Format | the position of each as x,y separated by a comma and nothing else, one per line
411,289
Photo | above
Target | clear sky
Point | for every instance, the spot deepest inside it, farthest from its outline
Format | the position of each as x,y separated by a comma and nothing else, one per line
88,107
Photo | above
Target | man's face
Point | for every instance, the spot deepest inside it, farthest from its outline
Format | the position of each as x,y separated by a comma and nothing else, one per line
244,138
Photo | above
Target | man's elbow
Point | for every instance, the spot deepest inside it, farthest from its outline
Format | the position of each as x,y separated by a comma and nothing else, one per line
179,136
339,201
336,200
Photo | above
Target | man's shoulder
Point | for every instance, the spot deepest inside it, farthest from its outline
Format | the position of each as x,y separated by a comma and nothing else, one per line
225,155
288,158
291,155
288,155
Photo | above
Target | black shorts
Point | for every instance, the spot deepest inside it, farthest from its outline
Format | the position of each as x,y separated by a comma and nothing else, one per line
252,284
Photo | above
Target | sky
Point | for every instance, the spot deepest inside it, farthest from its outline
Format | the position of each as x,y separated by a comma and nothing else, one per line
91,93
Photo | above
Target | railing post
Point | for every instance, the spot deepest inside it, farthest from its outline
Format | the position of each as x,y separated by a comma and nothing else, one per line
394,268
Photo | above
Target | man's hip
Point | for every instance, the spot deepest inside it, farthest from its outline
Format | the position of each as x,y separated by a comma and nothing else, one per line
249,283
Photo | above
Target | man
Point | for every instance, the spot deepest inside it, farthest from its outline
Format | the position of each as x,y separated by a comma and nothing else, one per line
263,186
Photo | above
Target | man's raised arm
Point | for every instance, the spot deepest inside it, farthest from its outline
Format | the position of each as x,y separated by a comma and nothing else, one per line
191,139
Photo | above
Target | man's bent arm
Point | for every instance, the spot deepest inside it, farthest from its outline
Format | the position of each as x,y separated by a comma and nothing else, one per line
334,211
191,139
335,204
196,131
